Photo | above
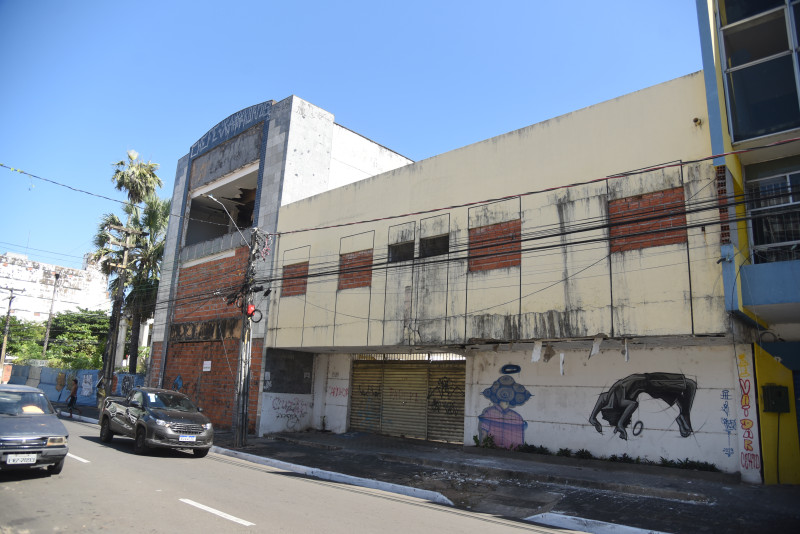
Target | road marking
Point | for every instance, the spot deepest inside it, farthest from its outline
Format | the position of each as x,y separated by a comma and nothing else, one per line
78,458
217,512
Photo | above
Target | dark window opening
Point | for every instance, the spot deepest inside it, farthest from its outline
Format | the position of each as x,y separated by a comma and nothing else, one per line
401,252
434,246
760,67
223,210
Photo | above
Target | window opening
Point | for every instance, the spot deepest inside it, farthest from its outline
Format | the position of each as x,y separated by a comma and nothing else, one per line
760,54
208,220
434,246
401,252
775,210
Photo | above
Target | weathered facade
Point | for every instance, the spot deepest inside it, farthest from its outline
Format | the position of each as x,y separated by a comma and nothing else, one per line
33,283
564,285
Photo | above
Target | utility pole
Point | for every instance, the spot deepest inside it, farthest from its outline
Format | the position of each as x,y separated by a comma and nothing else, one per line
119,297
50,317
242,390
5,330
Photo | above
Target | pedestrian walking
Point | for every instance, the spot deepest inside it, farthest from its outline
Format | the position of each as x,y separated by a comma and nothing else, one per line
73,398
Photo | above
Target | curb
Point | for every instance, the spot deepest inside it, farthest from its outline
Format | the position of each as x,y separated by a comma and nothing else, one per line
83,419
331,476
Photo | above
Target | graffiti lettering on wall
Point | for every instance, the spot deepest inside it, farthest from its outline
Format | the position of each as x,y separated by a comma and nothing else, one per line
290,410
369,391
214,330
504,425
728,424
618,403
336,391
447,396
749,458
126,386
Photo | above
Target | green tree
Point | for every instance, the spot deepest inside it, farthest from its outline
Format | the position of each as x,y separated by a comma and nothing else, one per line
144,262
77,339
137,178
25,338
139,181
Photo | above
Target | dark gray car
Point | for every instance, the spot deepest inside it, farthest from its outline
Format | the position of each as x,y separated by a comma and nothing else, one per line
31,434
157,418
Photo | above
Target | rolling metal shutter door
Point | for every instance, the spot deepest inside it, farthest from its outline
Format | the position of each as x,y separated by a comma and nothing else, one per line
365,396
405,389
445,401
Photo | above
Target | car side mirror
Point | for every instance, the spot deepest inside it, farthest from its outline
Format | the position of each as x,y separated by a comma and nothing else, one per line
135,404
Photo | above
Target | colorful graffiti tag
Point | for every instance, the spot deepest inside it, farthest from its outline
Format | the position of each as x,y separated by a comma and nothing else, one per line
505,426
618,403
750,458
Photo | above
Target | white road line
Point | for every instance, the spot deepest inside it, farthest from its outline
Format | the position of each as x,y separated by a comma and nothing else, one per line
217,512
78,458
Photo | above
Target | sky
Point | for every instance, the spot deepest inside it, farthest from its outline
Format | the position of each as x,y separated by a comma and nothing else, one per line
85,81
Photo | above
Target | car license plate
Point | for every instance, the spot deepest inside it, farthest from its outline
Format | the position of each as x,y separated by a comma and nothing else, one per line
187,438
13,459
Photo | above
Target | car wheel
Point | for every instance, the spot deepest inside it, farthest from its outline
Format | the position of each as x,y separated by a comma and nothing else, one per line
105,431
55,468
140,446
201,453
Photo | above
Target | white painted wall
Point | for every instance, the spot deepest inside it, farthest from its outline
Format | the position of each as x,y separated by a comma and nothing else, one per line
285,412
33,284
557,415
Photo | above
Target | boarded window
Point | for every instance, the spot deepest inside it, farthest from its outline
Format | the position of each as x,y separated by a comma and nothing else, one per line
650,220
401,252
355,269
495,246
295,279
287,371
434,246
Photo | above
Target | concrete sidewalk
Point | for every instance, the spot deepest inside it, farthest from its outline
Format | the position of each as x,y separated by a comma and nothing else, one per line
550,490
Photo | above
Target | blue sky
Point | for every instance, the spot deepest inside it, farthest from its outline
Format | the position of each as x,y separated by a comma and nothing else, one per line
85,81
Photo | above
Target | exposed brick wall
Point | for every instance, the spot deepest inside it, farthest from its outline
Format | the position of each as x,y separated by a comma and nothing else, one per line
495,246
650,220
214,390
196,301
295,279
355,269
722,198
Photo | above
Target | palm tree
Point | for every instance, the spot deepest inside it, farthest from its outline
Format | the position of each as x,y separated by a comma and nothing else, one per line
144,261
139,180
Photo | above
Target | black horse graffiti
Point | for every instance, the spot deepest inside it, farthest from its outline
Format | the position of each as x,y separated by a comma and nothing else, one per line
618,403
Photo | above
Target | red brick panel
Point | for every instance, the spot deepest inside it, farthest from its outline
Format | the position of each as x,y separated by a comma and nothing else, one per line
295,279
355,269
495,246
195,299
650,220
214,390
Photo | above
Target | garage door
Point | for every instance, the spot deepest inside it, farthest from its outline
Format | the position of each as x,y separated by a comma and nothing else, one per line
415,399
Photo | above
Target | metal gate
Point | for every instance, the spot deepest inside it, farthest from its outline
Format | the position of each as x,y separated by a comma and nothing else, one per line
410,398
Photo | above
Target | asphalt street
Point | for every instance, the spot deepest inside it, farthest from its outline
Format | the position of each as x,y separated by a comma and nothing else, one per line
107,488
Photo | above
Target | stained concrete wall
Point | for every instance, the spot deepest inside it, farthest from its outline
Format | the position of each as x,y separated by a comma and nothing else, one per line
568,284
563,397
33,282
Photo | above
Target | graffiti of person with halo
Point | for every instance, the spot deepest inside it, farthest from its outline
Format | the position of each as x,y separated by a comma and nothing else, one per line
506,426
